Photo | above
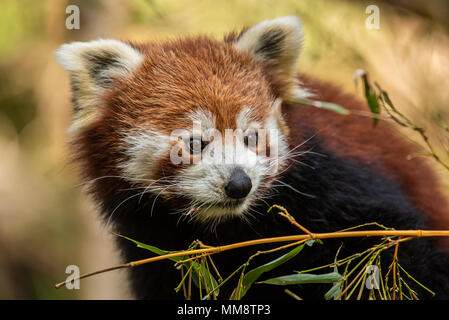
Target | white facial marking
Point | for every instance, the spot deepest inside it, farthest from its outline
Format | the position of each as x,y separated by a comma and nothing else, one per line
204,118
144,149
204,181
244,120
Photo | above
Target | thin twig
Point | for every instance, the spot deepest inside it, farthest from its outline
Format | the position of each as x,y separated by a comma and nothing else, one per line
293,295
395,260
122,266
290,218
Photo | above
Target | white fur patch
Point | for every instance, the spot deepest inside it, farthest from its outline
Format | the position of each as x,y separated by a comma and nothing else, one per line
278,144
91,66
204,118
204,182
143,150
278,40
290,26
244,120
70,56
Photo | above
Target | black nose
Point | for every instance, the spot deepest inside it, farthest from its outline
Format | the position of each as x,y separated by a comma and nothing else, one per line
239,185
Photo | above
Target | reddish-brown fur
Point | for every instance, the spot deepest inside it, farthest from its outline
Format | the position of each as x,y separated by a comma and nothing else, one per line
174,79
177,77
163,90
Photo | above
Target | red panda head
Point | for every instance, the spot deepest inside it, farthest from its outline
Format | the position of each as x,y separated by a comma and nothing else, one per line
195,118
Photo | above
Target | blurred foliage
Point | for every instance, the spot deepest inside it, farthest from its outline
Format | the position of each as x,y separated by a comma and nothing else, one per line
20,24
18,107
46,221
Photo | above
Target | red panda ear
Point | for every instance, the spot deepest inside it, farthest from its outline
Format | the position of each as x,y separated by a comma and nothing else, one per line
93,67
279,43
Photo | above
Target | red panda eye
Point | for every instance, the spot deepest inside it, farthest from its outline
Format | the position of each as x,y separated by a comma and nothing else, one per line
196,145
251,139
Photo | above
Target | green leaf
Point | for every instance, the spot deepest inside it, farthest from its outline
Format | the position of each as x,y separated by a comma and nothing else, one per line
394,113
255,273
333,292
370,95
373,104
206,277
303,278
153,249
321,104
334,107
197,268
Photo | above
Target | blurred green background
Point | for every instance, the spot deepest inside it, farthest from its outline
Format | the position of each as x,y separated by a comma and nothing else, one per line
47,222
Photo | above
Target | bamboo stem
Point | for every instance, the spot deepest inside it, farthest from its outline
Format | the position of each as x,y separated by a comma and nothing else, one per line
289,217
122,266
395,260
310,236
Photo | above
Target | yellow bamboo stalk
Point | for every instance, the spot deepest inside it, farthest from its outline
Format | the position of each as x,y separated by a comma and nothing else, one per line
309,236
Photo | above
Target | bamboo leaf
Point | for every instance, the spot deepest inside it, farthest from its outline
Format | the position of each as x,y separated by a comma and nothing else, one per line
208,281
303,278
371,99
370,95
333,292
153,249
199,271
255,273
321,104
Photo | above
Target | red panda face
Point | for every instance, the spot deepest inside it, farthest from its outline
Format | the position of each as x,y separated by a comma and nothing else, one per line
195,119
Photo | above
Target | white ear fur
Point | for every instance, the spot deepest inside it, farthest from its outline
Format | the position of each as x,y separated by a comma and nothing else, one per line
279,42
93,66
70,56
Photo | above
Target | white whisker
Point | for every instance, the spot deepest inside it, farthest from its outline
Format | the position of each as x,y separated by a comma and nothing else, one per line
296,190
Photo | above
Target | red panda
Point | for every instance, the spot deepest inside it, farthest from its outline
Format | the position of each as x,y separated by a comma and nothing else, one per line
150,133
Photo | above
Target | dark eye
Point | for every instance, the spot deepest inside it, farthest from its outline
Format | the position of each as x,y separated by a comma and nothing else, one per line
196,145
251,139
